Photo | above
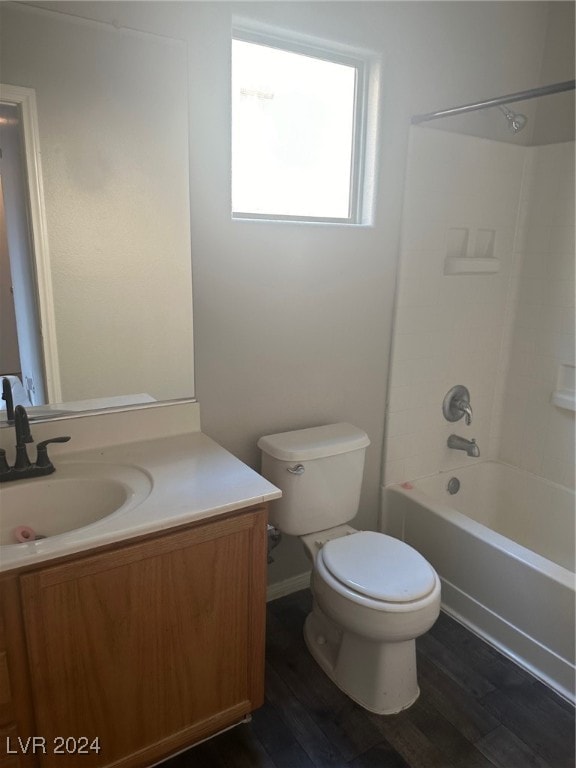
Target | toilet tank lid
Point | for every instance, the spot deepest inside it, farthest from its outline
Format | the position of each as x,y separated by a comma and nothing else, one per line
314,442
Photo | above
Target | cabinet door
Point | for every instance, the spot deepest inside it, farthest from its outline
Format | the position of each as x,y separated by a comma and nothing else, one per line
150,647
16,718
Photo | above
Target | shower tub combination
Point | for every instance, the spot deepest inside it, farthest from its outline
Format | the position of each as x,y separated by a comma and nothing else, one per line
503,545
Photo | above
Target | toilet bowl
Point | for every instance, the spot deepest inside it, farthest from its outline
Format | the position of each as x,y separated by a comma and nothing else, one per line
373,595
363,626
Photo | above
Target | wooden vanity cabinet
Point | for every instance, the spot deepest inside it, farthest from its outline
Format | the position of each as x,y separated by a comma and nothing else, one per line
146,648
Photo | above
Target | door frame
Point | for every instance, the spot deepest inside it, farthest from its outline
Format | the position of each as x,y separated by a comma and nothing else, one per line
25,99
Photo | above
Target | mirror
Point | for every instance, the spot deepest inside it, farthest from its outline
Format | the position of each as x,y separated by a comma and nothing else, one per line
104,112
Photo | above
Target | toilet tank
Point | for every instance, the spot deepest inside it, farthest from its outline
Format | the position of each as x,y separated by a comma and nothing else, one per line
319,471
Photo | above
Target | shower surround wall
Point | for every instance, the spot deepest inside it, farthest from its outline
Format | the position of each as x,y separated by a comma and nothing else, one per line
448,328
535,434
462,192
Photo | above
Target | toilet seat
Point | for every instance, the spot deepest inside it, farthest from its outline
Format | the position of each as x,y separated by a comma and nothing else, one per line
376,568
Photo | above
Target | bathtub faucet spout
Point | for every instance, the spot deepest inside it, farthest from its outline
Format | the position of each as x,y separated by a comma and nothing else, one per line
461,444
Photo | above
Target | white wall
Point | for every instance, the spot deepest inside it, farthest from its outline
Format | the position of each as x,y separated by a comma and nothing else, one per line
293,322
554,117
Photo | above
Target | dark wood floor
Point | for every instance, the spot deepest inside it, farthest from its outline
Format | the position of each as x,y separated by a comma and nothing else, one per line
476,710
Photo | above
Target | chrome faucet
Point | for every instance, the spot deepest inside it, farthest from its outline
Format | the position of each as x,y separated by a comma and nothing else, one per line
23,468
461,444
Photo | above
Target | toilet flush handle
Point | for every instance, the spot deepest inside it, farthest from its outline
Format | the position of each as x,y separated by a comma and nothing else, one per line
298,469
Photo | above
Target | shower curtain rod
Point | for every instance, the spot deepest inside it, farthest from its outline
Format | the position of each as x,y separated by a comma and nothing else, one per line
545,90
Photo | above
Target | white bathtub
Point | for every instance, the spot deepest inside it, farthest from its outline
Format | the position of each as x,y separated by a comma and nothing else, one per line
503,546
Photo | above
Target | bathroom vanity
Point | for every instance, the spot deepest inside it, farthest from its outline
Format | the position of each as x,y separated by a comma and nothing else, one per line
135,637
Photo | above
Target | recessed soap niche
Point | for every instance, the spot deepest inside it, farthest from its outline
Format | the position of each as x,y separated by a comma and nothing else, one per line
470,252
564,396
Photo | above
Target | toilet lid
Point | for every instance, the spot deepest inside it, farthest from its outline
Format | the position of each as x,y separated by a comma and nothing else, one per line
379,566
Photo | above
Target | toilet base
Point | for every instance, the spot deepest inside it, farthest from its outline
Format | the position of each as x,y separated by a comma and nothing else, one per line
381,677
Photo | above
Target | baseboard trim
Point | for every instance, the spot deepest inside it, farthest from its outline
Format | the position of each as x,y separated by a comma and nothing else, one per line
286,587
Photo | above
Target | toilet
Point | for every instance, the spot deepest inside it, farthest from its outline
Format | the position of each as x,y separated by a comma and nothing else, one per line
373,595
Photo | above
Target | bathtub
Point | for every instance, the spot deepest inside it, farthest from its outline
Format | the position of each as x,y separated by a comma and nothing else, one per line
503,545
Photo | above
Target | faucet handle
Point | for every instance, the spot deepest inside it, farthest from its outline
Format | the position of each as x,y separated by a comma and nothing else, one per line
464,406
457,404
3,462
8,399
42,458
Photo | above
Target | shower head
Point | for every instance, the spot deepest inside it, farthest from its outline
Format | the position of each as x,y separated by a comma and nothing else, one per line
515,120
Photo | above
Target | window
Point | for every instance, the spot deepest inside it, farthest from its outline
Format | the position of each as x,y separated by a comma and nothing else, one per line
296,133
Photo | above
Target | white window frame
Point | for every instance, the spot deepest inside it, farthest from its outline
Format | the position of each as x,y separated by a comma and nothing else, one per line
358,155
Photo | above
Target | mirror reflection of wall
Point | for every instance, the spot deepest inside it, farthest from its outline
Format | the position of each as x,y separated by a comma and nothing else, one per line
21,357
9,354
113,135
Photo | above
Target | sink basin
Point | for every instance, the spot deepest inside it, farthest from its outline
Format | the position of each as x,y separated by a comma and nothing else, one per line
75,496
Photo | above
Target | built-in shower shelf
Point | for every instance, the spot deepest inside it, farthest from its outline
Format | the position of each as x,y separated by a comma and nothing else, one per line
464,265
564,399
470,252
564,396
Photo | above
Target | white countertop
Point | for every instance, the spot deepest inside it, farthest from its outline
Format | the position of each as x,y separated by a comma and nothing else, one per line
191,478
